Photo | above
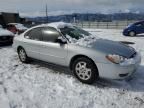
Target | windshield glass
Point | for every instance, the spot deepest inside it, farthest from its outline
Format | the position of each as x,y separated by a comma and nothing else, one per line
129,25
74,32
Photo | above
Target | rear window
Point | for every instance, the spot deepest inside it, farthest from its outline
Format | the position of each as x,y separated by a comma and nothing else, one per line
34,34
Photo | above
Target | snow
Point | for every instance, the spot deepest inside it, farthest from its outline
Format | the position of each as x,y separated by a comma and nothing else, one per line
39,85
131,61
4,32
19,26
84,41
59,25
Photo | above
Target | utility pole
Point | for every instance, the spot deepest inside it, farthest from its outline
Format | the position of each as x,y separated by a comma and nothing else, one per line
46,14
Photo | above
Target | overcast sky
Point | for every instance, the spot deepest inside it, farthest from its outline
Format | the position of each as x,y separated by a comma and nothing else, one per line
37,7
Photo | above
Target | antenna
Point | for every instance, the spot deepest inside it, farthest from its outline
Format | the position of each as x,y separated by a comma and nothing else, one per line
46,14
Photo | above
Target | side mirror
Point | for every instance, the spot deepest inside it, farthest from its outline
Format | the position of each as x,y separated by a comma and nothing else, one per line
61,40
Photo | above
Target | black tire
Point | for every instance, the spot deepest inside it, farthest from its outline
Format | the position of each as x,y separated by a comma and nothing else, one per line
82,71
132,33
23,58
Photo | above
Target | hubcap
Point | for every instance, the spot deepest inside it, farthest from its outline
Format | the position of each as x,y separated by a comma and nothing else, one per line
82,71
132,33
22,55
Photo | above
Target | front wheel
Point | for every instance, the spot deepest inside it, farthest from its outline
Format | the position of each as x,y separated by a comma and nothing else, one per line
85,70
22,55
132,33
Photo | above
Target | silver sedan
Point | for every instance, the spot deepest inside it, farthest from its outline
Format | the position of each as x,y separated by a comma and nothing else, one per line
88,56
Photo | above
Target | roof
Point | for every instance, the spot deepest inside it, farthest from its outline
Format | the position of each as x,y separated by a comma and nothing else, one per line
56,25
59,24
139,22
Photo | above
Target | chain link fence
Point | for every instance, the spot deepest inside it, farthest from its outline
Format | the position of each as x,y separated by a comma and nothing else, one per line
103,25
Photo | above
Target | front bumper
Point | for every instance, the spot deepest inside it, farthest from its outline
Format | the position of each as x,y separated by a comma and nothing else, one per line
6,40
126,32
116,71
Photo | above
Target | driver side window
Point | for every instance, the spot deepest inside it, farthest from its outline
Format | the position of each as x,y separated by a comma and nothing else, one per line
140,25
50,34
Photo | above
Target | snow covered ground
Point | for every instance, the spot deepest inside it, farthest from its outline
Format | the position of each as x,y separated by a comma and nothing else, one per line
39,85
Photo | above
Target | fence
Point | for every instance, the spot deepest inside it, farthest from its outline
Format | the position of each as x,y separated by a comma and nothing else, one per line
104,25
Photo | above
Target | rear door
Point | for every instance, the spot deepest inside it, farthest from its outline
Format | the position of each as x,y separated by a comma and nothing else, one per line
32,42
50,50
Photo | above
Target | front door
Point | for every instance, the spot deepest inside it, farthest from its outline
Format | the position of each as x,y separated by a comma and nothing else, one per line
50,50
31,43
140,28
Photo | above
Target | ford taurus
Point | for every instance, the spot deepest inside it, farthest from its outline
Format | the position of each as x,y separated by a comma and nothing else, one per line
88,56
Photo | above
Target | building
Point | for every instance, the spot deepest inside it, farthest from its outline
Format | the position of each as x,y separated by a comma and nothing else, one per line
6,18
11,17
2,22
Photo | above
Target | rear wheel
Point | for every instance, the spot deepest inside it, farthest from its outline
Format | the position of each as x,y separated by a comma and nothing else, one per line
132,33
22,55
85,70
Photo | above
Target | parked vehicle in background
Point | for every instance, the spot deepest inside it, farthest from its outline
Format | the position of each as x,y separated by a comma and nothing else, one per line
88,56
6,37
16,28
134,29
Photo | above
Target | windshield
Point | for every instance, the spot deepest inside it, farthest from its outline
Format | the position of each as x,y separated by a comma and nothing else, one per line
129,25
74,32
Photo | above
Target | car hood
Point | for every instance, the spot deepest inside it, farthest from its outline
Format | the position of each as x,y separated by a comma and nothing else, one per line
22,28
4,32
113,47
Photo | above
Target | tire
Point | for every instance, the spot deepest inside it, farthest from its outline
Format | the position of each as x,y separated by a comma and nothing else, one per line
85,70
132,33
22,55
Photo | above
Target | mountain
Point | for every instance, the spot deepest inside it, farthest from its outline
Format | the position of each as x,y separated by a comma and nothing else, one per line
89,17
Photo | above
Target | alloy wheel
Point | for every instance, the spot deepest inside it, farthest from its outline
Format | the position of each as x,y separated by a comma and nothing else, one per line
132,33
82,71
22,55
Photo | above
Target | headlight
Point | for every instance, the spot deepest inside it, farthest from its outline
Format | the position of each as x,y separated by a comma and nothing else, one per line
115,58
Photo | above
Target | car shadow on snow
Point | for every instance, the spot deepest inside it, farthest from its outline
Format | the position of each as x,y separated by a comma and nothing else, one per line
135,83
55,68
138,35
